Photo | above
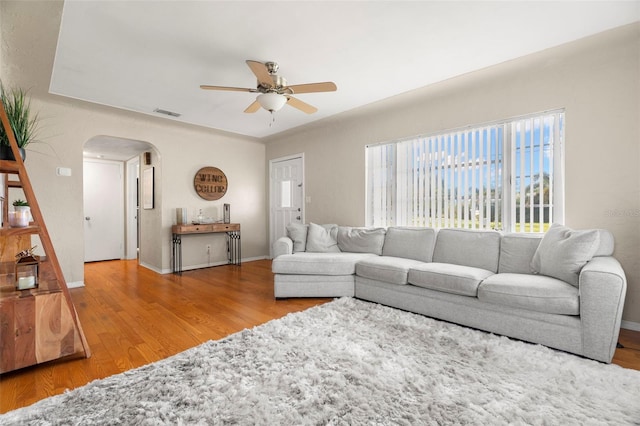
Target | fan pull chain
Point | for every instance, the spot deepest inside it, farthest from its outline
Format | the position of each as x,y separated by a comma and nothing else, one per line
273,118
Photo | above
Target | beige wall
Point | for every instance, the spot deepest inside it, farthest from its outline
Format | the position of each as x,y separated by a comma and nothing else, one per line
596,79
29,38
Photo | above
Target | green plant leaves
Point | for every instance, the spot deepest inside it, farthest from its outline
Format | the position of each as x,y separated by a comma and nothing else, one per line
22,120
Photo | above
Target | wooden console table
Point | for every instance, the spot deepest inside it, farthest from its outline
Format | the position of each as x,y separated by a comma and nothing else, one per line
232,230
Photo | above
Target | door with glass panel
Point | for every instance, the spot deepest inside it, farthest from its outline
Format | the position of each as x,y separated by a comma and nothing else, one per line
286,195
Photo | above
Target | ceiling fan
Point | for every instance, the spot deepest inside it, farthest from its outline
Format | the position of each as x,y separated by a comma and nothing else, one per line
274,91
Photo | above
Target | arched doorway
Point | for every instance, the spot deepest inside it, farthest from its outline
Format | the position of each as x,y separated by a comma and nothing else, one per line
111,188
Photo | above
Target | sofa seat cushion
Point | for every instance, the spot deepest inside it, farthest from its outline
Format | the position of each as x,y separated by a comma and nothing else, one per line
537,293
318,263
394,270
456,279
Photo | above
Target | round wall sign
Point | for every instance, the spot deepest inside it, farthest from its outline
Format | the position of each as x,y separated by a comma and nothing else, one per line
210,183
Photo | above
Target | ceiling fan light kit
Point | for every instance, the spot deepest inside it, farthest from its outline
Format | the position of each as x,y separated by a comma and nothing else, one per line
272,102
274,91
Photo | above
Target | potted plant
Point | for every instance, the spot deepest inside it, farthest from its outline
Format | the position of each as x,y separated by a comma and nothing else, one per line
21,214
22,119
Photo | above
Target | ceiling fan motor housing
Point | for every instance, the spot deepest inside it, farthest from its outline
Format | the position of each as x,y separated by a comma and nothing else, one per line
272,67
279,83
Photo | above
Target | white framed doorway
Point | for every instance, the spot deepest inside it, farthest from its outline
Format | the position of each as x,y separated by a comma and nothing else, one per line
286,195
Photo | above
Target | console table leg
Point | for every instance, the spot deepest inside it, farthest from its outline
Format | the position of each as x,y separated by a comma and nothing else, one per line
239,249
173,253
177,254
233,248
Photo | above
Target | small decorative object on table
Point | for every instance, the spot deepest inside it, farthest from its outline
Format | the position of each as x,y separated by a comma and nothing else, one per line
19,217
27,267
181,216
201,219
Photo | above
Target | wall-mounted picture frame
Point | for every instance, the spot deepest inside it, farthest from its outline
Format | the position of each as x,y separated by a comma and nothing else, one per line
147,188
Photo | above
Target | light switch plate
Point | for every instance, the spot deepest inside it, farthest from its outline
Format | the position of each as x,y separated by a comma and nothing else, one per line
63,171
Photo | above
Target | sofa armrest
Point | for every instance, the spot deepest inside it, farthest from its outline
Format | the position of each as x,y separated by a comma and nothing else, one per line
603,286
284,245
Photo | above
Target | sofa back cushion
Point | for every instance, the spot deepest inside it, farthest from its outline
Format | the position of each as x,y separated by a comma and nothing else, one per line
478,249
516,252
360,240
322,238
410,243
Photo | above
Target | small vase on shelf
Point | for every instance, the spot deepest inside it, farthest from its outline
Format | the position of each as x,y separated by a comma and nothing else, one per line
20,216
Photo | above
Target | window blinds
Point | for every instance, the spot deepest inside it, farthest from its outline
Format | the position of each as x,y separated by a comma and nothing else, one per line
497,176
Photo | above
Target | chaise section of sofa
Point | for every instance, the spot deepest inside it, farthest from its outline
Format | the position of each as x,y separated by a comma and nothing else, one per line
316,274
324,262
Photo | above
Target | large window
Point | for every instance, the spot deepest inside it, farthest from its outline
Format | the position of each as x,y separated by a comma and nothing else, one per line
505,175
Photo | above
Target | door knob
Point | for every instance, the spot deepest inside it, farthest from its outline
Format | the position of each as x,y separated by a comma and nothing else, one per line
87,218
298,217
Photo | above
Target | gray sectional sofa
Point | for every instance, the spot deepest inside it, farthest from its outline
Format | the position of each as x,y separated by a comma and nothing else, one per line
563,290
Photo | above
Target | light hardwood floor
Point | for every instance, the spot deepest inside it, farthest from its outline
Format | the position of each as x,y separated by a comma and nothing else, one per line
133,316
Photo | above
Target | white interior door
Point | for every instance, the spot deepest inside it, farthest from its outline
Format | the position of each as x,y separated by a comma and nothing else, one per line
286,195
103,191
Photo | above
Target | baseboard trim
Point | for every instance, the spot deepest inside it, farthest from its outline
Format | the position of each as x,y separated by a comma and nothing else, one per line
251,259
630,325
153,268
75,284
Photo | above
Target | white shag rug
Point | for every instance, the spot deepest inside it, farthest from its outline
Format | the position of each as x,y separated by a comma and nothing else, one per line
354,362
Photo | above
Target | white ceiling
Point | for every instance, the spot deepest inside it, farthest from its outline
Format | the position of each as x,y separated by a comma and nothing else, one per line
143,55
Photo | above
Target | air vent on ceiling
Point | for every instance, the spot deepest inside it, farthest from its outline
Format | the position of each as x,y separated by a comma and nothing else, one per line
165,112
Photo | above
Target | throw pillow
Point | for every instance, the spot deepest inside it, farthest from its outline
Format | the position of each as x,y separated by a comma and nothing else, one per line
361,240
322,238
563,252
298,234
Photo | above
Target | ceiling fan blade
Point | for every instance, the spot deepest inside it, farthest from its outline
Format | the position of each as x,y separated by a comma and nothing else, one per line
261,72
255,106
229,89
327,86
302,106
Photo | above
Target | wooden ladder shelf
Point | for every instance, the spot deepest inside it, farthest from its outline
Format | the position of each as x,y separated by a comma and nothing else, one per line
39,324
